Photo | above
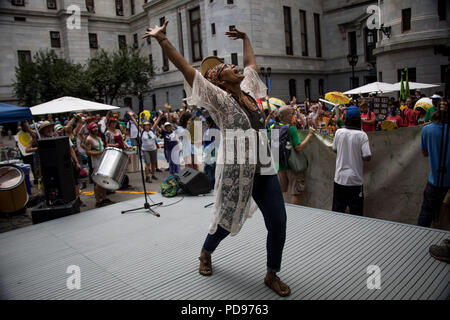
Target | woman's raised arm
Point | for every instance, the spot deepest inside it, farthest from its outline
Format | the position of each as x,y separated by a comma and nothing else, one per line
249,56
159,33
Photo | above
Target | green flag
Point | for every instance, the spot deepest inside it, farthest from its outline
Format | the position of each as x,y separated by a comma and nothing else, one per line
402,87
407,84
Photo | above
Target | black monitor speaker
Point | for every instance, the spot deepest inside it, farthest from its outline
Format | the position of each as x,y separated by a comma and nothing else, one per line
194,182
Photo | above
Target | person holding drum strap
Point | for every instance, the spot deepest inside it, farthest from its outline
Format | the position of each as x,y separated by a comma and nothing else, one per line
94,149
230,98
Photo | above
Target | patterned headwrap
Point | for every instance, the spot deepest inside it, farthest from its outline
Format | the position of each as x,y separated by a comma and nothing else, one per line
212,75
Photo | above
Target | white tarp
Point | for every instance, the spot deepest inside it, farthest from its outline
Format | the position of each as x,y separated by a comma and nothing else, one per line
414,85
69,104
373,87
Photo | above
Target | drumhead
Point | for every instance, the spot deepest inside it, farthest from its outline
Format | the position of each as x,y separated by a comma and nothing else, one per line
10,177
113,149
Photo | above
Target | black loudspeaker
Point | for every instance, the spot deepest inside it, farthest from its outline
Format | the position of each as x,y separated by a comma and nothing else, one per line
57,171
44,213
194,182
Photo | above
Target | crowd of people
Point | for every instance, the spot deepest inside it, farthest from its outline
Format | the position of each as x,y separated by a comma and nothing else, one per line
89,135
326,118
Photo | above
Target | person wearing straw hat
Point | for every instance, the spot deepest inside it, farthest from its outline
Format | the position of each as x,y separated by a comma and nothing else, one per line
242,185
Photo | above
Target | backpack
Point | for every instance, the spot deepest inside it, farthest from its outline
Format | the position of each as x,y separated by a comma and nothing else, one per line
284,152
170,186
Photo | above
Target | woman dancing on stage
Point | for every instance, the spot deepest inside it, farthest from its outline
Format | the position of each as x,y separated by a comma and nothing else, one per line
229,96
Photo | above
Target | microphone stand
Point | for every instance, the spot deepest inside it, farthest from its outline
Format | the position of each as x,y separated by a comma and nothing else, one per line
146,206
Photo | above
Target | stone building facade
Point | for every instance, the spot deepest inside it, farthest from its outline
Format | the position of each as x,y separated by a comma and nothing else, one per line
304,42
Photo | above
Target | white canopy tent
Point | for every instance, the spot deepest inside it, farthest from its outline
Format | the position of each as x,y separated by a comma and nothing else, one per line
373,87
69,104
415,85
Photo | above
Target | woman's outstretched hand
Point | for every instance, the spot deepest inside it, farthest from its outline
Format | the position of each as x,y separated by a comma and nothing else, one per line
158,32
236,34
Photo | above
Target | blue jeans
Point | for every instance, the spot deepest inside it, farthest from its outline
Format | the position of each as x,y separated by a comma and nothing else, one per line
269,198
173,167
431,206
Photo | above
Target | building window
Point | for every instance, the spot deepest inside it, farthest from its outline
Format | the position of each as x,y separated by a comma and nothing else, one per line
122,41
149,40
352,46
128,102
154,101
55,39
411,74
303,33
51,4
164,56
167,97
292,88
90,7
196,39
119,7
230,1
406,19
24,56
288,30
180,35
215,53
308,88
234,59
132,7
213,29
135,41
321,88
93,43
18,3
317,34
444,72
150,59
22,19
370,44
380,76
442,10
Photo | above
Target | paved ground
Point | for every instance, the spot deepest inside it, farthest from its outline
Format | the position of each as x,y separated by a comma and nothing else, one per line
11,222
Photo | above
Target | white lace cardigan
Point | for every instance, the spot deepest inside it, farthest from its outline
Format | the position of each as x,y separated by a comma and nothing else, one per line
234,182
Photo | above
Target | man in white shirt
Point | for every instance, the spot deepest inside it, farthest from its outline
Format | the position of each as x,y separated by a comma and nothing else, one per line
352,147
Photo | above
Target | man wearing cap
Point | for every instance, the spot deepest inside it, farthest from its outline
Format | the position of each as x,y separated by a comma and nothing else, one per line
352,147
149,148
436,100
171,149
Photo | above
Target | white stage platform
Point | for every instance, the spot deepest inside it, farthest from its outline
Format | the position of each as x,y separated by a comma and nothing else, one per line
140,256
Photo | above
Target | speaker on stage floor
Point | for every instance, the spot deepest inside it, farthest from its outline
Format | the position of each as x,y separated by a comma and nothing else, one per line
57,170
194,182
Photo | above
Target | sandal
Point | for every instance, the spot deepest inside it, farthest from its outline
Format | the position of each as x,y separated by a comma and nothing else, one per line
205,268
274,283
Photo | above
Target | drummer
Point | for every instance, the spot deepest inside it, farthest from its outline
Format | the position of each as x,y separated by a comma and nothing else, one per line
113,136
94,149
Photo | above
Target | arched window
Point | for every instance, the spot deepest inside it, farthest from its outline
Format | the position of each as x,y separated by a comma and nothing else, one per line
321,88
292,88
308,88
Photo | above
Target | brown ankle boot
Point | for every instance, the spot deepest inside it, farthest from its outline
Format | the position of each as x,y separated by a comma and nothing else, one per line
205,268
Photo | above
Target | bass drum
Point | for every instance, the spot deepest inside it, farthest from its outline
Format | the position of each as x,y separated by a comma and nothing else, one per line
13,189
112,168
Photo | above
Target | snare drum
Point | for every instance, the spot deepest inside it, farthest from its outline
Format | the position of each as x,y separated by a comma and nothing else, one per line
13,190
112,168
